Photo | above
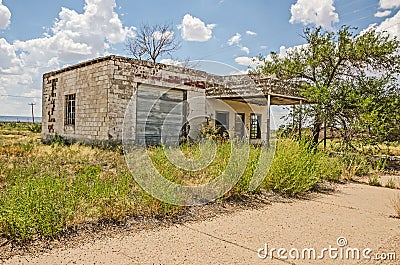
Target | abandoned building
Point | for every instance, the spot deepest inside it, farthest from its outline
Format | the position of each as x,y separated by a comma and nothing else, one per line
88,102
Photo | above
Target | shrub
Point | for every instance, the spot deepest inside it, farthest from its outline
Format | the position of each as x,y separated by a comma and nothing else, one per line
355,165
35,127
298,168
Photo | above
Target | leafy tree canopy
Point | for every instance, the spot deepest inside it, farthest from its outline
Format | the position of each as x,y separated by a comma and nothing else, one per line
352,80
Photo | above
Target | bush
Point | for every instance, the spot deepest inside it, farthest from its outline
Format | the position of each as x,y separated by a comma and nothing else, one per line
35,127
298,168
355,165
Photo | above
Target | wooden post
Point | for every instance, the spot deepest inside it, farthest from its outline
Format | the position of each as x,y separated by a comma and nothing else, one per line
325,134
300,117
293,120
33,116
269,121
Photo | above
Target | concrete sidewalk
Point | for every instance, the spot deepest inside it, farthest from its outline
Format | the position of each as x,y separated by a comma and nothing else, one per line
361,215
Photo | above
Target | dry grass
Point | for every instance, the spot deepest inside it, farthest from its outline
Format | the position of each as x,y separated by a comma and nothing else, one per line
45,189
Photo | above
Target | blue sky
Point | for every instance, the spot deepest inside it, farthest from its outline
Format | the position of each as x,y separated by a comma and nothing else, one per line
40,36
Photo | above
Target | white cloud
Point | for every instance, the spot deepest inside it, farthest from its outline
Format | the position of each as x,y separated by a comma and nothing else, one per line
391,25
73,37
263,47
9,62
248,61
387,4
251,33
166,35
76,36
5,16
193,29
171,62
235,39
318,12
245,49
383,13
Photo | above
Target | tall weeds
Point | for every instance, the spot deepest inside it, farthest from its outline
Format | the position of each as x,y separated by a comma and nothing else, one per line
45,189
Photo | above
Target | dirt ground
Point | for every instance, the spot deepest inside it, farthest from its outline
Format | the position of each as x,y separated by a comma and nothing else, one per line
355,216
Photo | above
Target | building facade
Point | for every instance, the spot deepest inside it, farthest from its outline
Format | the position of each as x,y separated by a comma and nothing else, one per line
94,101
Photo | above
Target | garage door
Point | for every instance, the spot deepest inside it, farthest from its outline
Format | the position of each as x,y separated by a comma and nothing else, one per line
159,115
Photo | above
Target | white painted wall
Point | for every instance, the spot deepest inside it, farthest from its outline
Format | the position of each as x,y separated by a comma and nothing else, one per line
233,107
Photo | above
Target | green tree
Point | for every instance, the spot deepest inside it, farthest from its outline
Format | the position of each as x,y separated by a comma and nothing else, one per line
350,79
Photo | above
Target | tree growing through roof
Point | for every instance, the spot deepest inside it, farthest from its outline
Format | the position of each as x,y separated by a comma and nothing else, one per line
153,41
351,79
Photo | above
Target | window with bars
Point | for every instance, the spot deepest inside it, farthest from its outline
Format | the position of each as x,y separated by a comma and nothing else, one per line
255,126
70,109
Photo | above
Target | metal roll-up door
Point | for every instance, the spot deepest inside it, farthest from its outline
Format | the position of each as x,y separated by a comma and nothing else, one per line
159,115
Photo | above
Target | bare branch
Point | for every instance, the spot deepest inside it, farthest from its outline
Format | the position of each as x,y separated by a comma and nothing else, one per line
152,42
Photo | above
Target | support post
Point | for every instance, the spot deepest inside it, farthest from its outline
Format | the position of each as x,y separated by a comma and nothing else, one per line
300,117
325,134
33,116
269,121
293,119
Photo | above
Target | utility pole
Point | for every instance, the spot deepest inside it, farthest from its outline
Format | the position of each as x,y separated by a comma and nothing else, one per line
33,116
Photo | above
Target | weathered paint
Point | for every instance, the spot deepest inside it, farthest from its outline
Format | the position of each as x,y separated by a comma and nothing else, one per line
105,86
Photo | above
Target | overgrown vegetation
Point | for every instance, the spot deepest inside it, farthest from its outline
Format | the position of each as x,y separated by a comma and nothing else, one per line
350,78
298,168
45,189
21,126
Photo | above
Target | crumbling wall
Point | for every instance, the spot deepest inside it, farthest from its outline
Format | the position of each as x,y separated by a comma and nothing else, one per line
126,75
89,84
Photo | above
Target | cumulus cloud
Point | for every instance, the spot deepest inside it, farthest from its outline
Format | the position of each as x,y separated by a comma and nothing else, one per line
171,62
235,39
9,62
251,33
73,37
383,13
5,16
318,12
76,36
245,49
193,29
251,62
166,35
387,4
391,25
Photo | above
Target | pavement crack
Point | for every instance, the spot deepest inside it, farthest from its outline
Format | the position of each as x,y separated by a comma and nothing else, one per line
232,243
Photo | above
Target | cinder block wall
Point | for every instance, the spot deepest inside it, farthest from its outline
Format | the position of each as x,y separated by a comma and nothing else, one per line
103,89
89,82
126,75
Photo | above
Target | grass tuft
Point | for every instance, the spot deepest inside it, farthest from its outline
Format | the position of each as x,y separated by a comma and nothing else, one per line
396,205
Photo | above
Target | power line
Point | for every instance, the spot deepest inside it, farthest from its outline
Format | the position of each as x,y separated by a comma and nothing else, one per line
16,96
356,11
